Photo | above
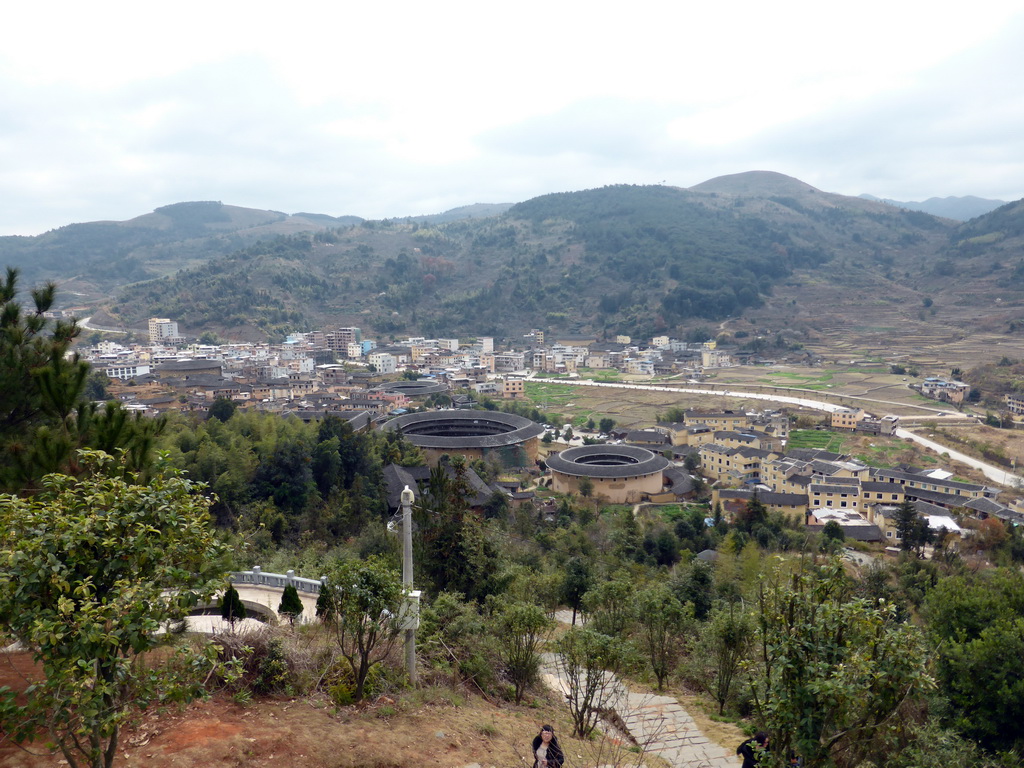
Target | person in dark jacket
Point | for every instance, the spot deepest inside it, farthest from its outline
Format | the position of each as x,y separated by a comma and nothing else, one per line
546,751
751,749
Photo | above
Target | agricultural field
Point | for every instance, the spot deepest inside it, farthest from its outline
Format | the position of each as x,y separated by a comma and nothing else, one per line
813,438
883,392
629,408
600,374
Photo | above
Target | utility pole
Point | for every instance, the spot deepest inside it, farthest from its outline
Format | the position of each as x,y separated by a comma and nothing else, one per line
408,497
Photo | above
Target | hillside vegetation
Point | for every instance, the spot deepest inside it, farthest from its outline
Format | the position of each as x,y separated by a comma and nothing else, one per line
94,258
638,260
622,259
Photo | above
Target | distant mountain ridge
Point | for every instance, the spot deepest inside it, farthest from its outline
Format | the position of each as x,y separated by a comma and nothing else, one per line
758,252
956,208
93,259
637,260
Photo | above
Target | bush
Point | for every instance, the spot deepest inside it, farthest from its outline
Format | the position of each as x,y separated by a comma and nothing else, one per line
342,684
262,662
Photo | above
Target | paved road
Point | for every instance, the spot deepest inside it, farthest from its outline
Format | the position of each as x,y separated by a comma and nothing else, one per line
84,323
993,473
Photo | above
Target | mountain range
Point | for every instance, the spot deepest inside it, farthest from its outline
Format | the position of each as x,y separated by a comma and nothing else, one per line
756,250
957,208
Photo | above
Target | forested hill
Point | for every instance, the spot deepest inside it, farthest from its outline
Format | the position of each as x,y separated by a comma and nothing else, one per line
621,259
95,258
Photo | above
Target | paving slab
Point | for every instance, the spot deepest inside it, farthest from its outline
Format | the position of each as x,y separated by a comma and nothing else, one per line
658,724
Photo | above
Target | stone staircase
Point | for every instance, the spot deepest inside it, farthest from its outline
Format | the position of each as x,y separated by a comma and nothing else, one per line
662,727
657,724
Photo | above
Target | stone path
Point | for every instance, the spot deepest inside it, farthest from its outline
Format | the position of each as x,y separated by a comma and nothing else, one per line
662,727
658,724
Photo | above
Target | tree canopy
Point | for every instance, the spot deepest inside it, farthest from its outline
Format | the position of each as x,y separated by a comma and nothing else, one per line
92,569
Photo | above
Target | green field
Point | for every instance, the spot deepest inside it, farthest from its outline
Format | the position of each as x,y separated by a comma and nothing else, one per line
816,438
599,374
550,395
799,380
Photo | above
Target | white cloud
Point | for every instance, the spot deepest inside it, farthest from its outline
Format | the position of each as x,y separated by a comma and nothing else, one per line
385,110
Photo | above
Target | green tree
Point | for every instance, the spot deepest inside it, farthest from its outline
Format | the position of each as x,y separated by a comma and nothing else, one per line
577,581
366,599
522,629
906,520
586,487
662,619
696,586
28,347
725,641
584,656
455,553
977,625
291,604
45,416
231,607
753,514
832,669
834,531
222,408
606,425
92,570
611,605
324,606
96,386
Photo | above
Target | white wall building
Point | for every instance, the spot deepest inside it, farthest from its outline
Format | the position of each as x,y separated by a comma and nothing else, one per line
162,330
127,371
383,362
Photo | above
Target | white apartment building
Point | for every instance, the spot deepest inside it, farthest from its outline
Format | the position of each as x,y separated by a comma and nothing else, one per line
163,330
126,371
383,362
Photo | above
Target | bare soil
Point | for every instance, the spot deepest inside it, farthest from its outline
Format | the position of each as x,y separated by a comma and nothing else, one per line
430,727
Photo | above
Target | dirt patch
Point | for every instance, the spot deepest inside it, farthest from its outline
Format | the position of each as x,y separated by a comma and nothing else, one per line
428,727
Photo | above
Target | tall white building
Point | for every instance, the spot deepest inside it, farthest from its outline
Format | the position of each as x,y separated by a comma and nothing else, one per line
162,330
383,362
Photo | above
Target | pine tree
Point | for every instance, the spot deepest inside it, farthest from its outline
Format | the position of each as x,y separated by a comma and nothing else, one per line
324,606
291,604
46,415
231,607
906,518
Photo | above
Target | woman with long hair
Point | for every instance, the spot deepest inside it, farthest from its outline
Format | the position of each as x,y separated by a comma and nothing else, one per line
546,751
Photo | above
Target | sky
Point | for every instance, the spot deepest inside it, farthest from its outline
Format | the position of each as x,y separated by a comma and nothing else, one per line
111,109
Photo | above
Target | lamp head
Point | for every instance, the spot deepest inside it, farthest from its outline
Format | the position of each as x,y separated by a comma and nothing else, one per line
408,497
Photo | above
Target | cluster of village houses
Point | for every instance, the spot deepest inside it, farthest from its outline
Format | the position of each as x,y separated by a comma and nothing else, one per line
305,372
740,454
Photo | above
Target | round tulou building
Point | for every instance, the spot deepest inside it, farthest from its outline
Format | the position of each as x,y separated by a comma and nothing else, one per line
622,474
511,439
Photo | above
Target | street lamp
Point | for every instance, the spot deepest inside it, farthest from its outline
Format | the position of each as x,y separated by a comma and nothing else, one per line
408,497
